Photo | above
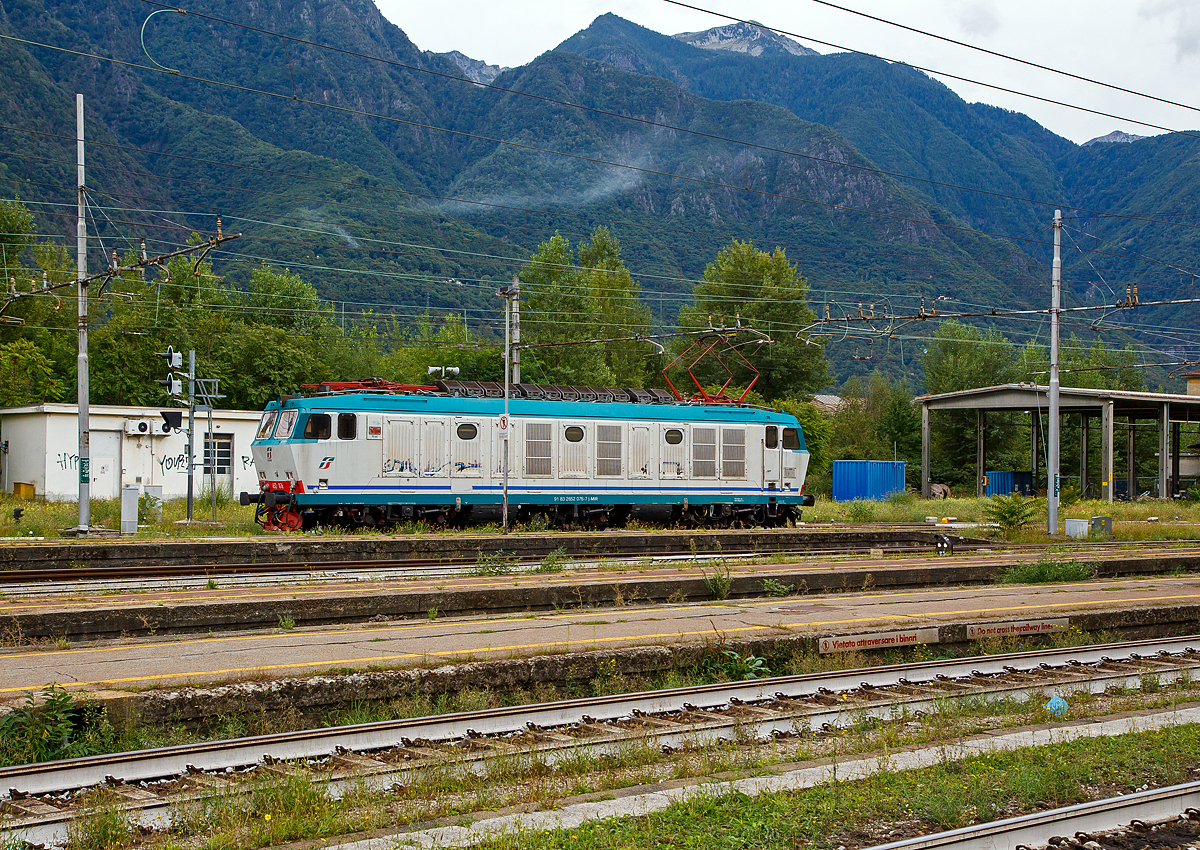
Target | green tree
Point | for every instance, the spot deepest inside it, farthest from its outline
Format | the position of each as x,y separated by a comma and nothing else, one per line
26,375
573,300
16,234
961,357
765,292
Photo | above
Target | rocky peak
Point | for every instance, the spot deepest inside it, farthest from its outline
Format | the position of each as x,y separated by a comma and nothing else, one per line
1114,136
745,38
475,70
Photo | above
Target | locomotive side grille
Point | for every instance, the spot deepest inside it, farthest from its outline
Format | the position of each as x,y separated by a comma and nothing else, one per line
733,452
704,452
537,448
639,451
608,450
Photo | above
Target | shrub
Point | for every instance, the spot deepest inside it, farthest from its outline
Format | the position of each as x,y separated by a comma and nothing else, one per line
1011,513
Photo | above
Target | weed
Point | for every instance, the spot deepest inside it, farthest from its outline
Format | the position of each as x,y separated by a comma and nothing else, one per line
732,665
433,614
1048,570
100,825
493,564
286,622
720,581
54,729
860,511
62,643
554,562
774,587
211,584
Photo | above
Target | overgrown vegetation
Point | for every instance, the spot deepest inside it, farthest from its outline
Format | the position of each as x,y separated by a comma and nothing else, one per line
1049,570
1013,512
51,725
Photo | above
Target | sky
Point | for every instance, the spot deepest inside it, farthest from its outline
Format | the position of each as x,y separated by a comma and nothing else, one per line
1150,46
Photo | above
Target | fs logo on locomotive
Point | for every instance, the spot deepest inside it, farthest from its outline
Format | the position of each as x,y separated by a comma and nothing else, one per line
326,462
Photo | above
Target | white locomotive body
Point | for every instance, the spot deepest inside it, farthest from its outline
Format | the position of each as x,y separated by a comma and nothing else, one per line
376,458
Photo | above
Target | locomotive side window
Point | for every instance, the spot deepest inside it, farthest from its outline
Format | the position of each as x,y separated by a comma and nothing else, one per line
673,455
265,426
318,427
347,426
609,450
772,437
287,422
704,452
733,452
467,431
573,452
537,448
791,439
466,452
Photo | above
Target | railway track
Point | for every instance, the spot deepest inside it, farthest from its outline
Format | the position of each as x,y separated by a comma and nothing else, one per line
42,798
1169,816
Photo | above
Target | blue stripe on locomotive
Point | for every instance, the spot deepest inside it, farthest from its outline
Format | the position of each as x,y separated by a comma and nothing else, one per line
536,493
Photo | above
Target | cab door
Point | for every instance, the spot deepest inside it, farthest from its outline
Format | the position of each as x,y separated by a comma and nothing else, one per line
772,459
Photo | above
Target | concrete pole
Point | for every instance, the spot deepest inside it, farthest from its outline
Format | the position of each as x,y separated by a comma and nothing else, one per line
81,371
1052,474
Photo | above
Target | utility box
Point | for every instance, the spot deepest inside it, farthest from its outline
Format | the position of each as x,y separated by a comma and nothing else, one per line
1077,528
21,490
129,509
1102,526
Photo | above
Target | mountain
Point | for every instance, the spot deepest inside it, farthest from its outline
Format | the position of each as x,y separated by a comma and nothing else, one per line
1114,136
474,69
381,179
751,38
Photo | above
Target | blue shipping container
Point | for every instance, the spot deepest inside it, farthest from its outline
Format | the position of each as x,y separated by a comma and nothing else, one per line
867,479
1003,482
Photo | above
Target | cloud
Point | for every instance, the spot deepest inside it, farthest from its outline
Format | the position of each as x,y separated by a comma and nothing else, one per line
977,18
1183,19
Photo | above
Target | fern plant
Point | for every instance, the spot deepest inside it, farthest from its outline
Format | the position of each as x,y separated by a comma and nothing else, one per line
1011,513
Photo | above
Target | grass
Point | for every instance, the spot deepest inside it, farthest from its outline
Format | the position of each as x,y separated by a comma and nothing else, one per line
1048,570
947,795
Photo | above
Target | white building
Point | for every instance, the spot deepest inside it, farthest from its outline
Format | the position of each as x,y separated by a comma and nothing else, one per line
39,447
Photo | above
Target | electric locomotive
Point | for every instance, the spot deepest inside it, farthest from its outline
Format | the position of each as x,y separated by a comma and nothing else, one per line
375,453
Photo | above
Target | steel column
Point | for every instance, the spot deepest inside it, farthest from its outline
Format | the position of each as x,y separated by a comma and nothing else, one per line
1164,449
924,451
1130,470
980,436
1106,451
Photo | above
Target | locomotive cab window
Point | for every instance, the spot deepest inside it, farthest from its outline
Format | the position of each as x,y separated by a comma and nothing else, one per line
772,437
574,434
266,425
791,438
318,427
347,426
674,436
466,431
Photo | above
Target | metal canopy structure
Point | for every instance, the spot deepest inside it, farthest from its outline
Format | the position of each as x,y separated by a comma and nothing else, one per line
1105,406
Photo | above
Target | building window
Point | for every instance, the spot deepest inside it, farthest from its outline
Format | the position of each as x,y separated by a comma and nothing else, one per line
218,449
347,426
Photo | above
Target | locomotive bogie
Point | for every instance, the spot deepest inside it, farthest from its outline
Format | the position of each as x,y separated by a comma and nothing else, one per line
363,459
